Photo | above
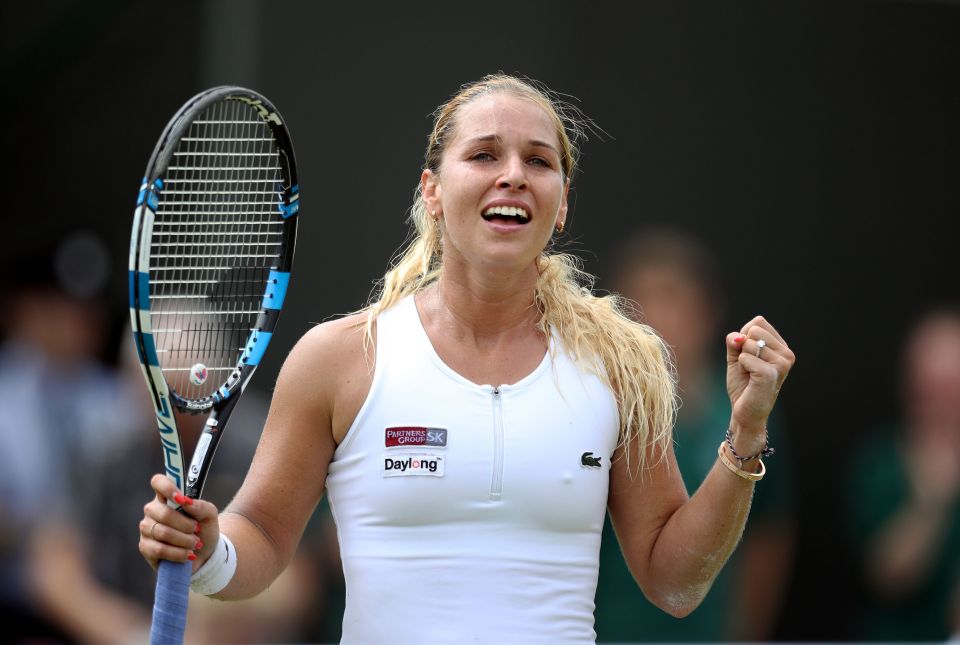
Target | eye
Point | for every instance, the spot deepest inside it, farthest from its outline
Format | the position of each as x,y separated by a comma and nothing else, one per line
540,161
481,156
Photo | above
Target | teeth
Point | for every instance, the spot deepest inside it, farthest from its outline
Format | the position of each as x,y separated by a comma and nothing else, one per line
508,211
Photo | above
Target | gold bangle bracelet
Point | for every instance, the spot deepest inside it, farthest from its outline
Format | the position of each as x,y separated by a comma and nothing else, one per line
739,472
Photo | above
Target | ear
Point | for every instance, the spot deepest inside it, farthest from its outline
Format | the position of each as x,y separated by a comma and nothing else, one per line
431,191
562,212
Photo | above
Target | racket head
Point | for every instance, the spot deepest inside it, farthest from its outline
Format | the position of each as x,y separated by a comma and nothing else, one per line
211,251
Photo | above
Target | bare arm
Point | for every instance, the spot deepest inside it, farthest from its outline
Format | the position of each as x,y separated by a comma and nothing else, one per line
676,545
266,519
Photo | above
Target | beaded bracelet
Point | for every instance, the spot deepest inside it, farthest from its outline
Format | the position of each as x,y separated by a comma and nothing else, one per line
766,451
739,472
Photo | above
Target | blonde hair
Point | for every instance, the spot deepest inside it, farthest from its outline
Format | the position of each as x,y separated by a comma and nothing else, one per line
597,331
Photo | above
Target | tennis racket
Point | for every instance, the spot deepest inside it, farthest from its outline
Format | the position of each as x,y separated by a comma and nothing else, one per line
210,257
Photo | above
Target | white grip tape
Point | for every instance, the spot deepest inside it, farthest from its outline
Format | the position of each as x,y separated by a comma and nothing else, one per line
217,572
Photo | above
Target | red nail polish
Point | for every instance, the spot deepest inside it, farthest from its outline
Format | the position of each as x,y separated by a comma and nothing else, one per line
197,529
199,545
739,339
180,498
192,556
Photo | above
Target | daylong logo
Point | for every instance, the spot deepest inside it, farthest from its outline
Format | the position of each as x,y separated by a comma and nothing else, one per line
407,465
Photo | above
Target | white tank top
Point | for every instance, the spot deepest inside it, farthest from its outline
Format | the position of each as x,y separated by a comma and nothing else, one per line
471,513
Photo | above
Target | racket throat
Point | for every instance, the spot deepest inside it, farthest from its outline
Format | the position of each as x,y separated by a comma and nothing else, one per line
207,447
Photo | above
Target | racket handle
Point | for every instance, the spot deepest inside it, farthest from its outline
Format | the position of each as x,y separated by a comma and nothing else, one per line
170,603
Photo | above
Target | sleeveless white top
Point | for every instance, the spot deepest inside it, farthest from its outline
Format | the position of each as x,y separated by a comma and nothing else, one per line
466,512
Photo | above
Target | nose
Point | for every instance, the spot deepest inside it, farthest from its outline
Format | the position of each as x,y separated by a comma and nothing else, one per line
514,174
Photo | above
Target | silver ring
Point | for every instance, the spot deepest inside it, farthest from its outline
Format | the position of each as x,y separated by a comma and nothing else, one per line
152,537
760,345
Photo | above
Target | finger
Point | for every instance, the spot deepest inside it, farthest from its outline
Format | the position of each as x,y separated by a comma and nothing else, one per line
772,368
168,493
761,347
201,510
734,343
175,520
761,371
763,323
153,551
153,531
773,344
167,490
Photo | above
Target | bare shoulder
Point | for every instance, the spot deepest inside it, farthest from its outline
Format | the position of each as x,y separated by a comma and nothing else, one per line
334,341
331,367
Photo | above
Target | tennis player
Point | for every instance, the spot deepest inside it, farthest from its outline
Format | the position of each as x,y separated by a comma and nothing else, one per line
474,423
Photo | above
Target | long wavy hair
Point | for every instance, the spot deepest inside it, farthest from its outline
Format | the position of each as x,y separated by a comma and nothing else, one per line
597,331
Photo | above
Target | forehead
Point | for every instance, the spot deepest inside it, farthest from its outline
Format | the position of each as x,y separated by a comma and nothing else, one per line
505,116
937,336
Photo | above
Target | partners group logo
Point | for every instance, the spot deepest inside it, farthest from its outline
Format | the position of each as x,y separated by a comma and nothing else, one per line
402,436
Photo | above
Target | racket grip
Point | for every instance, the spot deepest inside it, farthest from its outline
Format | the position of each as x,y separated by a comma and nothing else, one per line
170,603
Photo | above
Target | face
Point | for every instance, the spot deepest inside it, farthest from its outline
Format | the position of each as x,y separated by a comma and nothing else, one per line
675,305
933,375
500,189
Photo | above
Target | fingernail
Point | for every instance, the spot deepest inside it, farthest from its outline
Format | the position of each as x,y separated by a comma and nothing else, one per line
199,545
739,339
197,529
180,498
192,556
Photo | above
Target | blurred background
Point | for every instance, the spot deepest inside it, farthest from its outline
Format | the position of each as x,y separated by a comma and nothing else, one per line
795,159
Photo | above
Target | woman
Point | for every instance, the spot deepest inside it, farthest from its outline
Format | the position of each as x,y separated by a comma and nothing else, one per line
473,424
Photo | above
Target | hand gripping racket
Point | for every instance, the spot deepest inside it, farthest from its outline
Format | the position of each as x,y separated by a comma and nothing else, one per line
210,257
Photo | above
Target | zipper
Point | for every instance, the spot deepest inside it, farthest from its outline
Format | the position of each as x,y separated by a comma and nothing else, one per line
496,484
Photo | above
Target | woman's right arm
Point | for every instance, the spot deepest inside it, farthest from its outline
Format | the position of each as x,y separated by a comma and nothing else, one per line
286,478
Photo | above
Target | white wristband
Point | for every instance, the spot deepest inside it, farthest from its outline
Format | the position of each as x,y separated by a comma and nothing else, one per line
217,572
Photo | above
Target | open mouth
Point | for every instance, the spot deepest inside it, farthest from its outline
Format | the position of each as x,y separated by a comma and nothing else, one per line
506,214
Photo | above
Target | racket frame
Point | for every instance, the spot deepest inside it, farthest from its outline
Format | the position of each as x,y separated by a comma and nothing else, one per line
220,404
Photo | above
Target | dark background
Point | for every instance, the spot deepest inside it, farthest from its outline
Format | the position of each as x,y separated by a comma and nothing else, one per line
812,145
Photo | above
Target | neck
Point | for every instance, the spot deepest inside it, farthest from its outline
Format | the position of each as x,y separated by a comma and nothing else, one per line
483,307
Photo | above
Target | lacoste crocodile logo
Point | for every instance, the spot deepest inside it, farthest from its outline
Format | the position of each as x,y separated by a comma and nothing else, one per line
587,459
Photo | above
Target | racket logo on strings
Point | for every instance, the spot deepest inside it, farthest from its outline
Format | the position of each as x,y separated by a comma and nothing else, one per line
198,374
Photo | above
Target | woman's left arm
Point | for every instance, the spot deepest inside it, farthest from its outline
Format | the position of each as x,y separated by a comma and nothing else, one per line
675,545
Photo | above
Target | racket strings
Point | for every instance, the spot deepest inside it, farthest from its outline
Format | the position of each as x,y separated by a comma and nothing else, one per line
217,233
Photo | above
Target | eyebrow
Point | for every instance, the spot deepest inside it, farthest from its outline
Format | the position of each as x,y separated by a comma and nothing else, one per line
492,137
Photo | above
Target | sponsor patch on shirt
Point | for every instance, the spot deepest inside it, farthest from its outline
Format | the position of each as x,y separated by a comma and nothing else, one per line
408,465
399,436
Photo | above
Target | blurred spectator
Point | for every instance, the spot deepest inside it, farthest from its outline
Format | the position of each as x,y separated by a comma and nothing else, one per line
58,400
86,572
77,439
904,501
674,281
